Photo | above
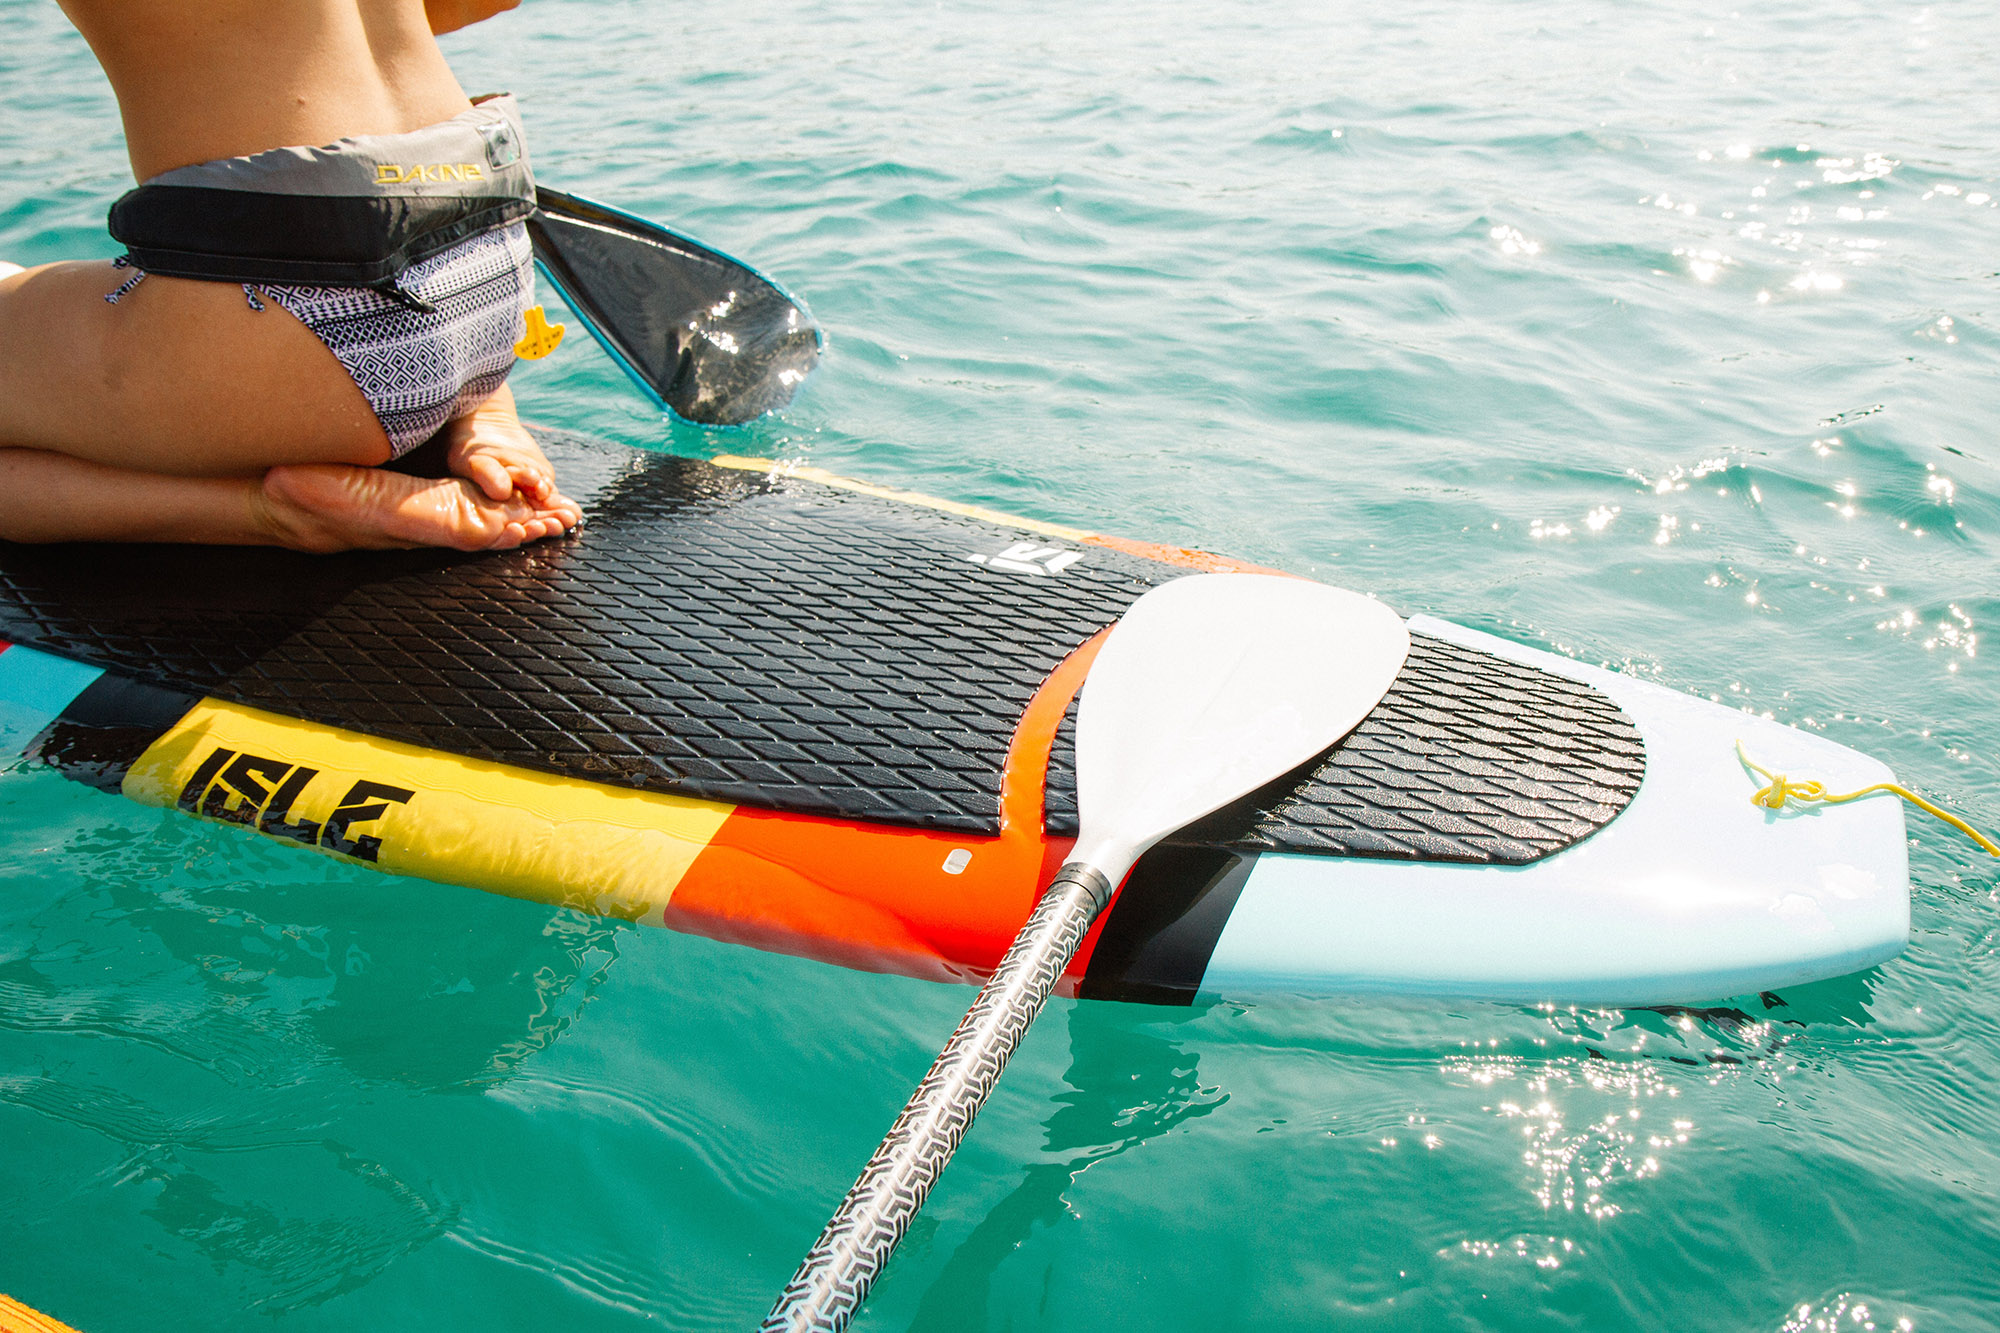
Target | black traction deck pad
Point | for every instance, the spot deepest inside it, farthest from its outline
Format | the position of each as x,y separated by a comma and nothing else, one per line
1468,757
791,645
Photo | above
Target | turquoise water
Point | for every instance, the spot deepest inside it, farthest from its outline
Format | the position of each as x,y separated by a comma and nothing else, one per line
1663,336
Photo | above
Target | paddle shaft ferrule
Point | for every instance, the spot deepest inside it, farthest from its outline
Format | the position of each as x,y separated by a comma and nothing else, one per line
842,1265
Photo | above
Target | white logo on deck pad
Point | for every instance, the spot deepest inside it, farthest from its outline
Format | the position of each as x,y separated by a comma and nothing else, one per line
1028,558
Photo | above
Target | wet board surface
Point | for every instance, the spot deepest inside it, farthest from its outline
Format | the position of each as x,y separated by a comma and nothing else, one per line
797,646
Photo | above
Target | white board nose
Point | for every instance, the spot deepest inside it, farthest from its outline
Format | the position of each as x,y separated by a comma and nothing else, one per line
1691,894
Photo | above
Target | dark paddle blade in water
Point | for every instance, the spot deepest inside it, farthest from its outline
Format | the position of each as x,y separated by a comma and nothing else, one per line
707,336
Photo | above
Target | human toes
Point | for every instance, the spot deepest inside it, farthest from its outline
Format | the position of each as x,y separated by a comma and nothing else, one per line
536,529
526,523
559,510
538,484
490,475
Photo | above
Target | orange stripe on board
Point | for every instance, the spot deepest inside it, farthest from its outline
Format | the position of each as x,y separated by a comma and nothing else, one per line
878,897
18,1318
1024,793
1169,555
1185,557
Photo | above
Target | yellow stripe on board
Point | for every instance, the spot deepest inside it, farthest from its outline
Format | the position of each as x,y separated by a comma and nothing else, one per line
18,1318
825,478
418,812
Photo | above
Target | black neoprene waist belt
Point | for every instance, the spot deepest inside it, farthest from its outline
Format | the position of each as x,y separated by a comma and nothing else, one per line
351,214
297,237
329,242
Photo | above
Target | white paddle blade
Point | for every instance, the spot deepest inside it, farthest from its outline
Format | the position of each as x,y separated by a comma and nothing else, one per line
1210,687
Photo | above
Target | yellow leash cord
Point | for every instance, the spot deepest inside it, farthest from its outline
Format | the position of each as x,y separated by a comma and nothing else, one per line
1780,790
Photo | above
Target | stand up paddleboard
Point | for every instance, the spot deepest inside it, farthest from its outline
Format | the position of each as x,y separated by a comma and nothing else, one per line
817,716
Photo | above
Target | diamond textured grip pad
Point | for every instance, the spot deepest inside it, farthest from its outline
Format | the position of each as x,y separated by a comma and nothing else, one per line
791,645
1469,757
708,632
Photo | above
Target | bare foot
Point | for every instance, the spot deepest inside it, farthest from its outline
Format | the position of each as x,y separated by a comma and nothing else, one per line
333,507
490,448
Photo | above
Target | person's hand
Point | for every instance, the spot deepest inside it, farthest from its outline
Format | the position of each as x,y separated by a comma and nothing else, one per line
451,15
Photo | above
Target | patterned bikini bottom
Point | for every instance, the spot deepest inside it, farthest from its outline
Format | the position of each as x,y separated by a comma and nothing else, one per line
420,368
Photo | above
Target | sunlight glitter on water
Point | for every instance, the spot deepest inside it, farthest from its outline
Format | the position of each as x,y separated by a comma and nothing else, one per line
1843,1314
1577,1167
1560,321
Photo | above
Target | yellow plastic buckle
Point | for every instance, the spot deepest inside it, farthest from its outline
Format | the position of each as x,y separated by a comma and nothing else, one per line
541,338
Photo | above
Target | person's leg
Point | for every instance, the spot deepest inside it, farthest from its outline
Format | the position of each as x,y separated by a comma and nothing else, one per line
183,377
179,377
306,506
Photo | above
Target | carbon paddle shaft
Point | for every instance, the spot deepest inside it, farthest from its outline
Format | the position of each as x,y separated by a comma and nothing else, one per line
842,1265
